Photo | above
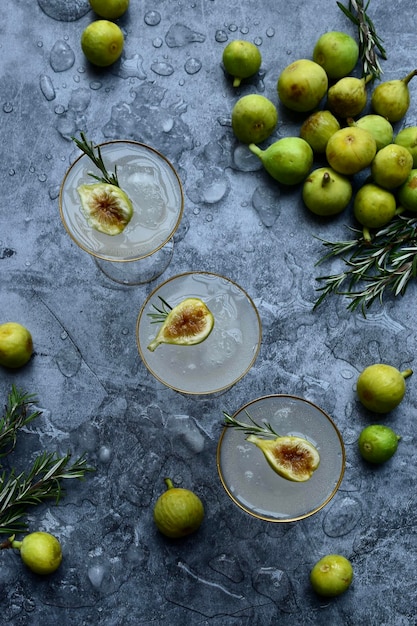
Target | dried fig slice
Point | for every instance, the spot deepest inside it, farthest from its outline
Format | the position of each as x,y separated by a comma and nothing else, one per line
293,458
187,324
106,207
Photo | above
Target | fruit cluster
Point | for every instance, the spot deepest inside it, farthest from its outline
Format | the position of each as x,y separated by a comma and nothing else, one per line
102,41
335,129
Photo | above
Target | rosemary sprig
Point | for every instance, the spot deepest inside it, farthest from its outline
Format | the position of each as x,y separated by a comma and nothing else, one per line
161,312
16,415
370,45
41,483
250,429
385,264
90,150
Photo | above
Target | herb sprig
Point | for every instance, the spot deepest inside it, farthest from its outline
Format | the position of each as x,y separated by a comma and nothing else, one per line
370,45
253,428
43,481
161,312
94,154
385,264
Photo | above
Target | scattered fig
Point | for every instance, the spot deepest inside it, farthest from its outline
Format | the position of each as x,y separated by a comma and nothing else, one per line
254,118
407,137
241,59
381,387
391,99
337,53
391,166
331,576
107,208
325,192
318,128
288,160
347,97
407,192
379,127
378,443
302,85
373,207
350,150
178,512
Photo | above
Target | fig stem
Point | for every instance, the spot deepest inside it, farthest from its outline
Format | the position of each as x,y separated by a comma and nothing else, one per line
409,76
326,179
237,81
406,373
16,544
254,148
366,234
7,544
168,483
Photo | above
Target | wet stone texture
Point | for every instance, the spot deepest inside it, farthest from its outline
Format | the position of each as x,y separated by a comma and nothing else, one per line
169,90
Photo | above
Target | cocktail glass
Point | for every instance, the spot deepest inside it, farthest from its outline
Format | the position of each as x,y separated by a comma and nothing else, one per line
250,481
224,357
143,251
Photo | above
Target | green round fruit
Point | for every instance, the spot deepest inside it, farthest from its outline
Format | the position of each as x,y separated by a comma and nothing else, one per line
288,160
178,512
350,150
16,345
325,192
302,85
374,206
318,128
241,59
102,42
331,576
378,443
391,166
407,192
41,552
379,127
381,387
407,137
109,9
254,118
337,53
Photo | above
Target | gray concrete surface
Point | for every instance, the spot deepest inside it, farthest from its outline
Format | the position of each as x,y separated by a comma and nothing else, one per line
170,91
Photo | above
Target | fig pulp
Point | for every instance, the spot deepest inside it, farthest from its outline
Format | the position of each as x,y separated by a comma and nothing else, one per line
106,207
288,160
302,85
241,59
350,150
347,97
317,129
325,192
293,458
254,118
337,53
391,99
187,324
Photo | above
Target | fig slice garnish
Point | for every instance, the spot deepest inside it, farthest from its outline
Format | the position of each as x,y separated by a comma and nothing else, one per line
291,457
189,323
106,207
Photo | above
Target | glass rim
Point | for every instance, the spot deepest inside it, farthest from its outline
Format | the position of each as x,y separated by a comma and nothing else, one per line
103,256
142,353
267,518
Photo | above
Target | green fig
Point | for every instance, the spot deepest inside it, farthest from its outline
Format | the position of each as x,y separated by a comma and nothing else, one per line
391,99
325,192
318,128
254,118
107,208
337,53
347,97
241,59
407,192
407,137
391,166
302,85
379,127
293,458
288,160
373,207
350,150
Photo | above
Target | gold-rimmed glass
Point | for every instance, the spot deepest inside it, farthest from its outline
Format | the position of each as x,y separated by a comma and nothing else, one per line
222,359
250,481
144,249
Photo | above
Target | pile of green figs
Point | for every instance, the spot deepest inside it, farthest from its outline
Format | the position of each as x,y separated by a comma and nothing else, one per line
347,127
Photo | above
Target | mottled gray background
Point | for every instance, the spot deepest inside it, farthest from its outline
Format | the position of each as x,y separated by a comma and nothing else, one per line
169,90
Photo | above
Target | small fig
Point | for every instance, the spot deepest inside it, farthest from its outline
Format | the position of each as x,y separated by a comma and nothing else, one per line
318,128
391,99
106,207
381,387
373,207
337,53
407,192
254,118
350,150
302,85
347,97
325,192
288,160
391,166
379,127
407,137
241,59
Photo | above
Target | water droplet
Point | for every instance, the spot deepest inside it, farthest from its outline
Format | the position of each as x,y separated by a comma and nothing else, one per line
244,30
192,65
209,217
232,28
180,35
64,335
53,192
265,201
79,99
258,41
47,87
342,518
7,107
197,210
68,11
162,68
152,18
270,32
62,56
157,42
42,178
221,36
59,109
95,85
12,172
105,454
132,67
125,331
96,574
68,361
245,160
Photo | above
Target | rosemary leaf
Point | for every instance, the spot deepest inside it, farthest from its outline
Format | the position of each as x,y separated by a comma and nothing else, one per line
16,416
253,428
94,154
